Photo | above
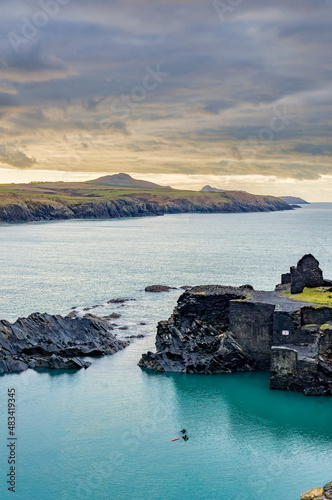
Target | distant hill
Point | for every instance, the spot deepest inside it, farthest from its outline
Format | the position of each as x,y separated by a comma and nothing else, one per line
125,180
294,200
209,189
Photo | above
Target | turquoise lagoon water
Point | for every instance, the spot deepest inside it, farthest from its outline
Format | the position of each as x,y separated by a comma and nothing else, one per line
105,433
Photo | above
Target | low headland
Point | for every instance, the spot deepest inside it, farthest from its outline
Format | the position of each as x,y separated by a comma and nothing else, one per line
120,196
221,329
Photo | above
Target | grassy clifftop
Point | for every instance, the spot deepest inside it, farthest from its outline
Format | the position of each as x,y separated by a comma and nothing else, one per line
320,295
48,201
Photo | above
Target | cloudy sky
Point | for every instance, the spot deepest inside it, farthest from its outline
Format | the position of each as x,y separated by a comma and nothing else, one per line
234,93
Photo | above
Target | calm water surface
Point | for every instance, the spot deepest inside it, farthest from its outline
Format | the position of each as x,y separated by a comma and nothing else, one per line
105,433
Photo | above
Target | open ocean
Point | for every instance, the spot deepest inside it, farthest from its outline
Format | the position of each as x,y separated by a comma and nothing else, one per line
104,433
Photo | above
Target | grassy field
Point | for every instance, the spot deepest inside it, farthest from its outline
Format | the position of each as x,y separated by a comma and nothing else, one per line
319,295
80,191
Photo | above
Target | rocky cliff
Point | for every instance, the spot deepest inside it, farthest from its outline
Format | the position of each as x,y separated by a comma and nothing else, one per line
45,341
26,207
195,338
218,329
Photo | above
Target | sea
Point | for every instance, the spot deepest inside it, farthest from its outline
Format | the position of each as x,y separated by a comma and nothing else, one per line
106,432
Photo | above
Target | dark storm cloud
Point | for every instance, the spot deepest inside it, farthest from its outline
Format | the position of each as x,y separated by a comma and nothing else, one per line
90,62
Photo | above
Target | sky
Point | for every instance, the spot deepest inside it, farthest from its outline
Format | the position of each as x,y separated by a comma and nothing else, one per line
231,93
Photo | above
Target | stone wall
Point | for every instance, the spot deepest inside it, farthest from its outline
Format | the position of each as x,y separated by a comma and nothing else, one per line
325,341
316,315
251,324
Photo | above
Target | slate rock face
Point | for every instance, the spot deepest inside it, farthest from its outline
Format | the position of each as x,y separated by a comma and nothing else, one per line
286,278
297,281
307,273
195,338
309,268
46,341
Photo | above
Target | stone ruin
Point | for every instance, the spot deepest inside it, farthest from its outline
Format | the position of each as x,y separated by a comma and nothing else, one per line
307,273
218,329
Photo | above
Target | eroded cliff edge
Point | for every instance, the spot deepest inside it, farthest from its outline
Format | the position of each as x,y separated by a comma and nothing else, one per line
218,329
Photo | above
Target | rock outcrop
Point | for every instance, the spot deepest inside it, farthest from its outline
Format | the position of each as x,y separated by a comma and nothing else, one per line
194,339
159,288
324,493
56,342
218,329
307,273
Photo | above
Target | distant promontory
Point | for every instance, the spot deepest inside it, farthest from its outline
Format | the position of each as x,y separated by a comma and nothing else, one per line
294,200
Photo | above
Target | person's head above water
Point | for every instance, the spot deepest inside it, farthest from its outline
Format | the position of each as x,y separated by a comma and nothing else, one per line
183,431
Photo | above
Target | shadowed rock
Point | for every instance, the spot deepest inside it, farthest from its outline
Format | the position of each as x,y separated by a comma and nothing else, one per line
159,288
46,341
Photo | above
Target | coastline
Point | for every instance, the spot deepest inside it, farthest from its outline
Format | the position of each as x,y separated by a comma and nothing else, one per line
26,203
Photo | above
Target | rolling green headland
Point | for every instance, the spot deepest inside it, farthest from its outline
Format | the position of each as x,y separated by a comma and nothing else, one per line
88,200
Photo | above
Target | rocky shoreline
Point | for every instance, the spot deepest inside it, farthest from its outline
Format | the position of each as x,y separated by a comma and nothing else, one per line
55,342
219,329
25,209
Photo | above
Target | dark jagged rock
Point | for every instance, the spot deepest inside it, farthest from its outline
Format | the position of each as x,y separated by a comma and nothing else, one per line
46,341
307,273
218,329
297,281
194,339
309,269
286,279
159,288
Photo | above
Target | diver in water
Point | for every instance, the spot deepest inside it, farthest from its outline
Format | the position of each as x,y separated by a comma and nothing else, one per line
184,431
185,437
